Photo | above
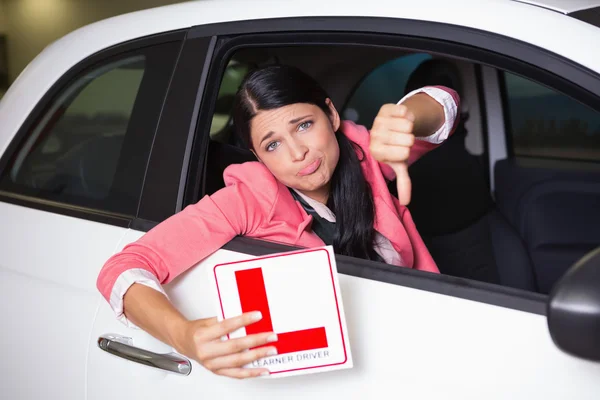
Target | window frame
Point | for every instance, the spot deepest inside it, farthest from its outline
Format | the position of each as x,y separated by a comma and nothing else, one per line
469,44
167,172
97,60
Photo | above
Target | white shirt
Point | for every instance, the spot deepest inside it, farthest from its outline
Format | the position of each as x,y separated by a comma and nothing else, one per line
381,244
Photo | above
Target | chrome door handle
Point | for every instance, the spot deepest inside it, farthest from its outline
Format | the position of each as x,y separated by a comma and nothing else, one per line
123,347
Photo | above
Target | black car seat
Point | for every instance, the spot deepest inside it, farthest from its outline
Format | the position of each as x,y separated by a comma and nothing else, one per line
220,156
452,206
555,210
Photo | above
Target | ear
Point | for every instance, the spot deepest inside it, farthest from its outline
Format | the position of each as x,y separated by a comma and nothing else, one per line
333,115
256,155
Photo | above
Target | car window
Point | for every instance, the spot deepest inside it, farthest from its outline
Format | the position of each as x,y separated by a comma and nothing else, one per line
469,217
90,143
74,149
545,123
383,85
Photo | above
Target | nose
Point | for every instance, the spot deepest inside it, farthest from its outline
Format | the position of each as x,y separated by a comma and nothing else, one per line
298,150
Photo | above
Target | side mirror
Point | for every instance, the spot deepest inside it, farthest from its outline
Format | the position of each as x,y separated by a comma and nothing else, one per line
574,309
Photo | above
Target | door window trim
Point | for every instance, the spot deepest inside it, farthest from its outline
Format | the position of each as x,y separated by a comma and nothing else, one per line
167,171
462,288
487,44
88,64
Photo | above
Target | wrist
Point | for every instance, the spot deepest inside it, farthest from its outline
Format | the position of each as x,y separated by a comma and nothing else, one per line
177,328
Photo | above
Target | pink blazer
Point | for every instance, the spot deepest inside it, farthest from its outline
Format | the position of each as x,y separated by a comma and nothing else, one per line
256,205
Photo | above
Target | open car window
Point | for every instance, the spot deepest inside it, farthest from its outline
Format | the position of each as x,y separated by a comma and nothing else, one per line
470,232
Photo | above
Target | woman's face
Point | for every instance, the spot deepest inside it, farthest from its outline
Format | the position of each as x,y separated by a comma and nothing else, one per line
297,144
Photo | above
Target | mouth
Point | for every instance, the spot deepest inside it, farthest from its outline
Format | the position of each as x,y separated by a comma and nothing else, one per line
311,168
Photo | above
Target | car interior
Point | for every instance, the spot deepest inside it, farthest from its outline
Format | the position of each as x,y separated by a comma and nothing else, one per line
517,235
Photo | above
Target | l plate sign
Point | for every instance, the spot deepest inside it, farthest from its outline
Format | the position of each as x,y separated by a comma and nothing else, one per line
299,297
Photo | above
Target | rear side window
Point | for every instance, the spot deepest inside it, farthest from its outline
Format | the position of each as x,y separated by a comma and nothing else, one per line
545,123
90,145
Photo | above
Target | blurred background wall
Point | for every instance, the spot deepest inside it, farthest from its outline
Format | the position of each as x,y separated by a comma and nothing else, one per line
30,25
2,17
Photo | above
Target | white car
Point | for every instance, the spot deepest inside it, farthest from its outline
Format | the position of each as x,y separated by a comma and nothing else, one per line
122,123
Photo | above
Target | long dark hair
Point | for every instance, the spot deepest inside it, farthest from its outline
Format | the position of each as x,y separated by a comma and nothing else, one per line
350,199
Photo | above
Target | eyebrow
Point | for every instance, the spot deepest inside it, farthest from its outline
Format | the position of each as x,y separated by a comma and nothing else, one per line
296,120
267,136
292,122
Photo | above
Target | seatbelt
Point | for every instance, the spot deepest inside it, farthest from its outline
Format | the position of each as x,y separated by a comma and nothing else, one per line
323,228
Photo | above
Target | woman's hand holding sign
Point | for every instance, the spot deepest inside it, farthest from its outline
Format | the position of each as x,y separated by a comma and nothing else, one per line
393,134
201,340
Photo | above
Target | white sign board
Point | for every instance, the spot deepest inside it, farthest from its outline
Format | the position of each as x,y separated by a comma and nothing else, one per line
299,297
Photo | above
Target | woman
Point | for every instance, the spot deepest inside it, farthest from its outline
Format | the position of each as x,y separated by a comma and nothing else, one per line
314,173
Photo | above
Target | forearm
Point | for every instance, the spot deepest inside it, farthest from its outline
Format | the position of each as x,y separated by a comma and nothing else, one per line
429,114
200,339
153,312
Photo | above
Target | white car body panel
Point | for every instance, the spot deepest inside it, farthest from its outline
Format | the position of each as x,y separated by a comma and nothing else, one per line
407,359
61,270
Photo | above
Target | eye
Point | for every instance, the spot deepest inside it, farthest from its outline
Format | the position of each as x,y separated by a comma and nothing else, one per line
305,125
272,146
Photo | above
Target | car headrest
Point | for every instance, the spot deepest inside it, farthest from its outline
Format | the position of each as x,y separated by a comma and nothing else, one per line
435,72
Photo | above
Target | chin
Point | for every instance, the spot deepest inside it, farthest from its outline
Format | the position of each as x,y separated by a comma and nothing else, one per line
318,184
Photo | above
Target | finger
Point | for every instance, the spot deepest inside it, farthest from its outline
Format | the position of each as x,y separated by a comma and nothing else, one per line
242,373
230,325
403,182
406,113
396,110
387,110
217,348
393,121
390,154
398,139
393,124
240,359
207,321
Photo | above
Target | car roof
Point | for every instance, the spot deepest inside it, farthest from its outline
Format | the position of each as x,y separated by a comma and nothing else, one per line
199,12
563,6
507,16
553,31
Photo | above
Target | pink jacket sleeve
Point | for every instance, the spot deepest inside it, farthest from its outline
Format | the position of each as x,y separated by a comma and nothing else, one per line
193,234
422,146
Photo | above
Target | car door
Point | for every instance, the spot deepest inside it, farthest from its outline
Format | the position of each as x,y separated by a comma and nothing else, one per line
413,334
70,184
